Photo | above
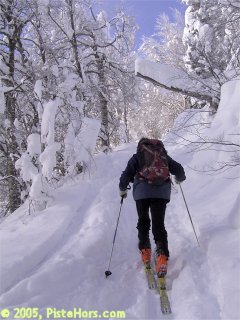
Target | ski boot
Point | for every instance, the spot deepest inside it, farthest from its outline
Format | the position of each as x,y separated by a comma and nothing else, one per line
146,255
161,265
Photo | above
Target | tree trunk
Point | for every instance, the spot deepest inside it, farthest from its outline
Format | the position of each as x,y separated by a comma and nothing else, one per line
103,105
126,122
11,145
104,127
14,196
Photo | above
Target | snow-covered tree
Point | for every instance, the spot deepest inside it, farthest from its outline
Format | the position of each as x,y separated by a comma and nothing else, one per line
64,69
107,59
159,107
98,49
166,45
212,40
13,79
156,113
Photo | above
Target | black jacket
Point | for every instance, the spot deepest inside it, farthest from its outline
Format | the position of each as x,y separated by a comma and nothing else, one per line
141,188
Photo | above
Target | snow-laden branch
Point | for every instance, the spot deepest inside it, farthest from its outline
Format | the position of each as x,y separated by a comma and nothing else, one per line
170,78
13,177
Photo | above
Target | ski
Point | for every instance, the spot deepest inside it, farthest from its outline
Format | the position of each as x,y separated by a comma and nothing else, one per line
165,304
150,275
160,285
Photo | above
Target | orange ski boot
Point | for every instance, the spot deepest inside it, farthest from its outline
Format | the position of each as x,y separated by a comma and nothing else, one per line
161,268
146,255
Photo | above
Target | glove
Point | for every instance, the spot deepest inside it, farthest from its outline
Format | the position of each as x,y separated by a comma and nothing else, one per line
178,181
123,193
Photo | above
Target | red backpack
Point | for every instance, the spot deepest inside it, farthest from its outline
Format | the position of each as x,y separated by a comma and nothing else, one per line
153,161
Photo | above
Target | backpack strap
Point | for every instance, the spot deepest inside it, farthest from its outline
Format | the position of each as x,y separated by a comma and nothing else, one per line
146,148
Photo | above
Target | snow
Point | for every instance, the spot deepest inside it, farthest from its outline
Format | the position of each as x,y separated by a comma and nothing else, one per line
43,6
85,142
44,2
28,170
2,97
34,144
55,70
70,82
3,89
38,89
37,187
168,75
80,148
235,3
48,120
57,257
159,72
48,159
229,115
225,127
206,35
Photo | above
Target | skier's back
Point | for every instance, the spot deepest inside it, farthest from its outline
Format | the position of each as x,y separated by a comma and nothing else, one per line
149,170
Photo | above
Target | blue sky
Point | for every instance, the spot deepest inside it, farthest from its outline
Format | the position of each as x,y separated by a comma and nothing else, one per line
146,12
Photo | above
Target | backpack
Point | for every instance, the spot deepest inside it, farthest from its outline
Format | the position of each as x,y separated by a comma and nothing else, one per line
153,161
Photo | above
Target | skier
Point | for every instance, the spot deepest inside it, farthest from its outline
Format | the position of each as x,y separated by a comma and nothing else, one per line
151,193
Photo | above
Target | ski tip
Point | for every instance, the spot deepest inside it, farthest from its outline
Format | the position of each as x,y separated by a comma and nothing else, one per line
166,311
108,273
152,286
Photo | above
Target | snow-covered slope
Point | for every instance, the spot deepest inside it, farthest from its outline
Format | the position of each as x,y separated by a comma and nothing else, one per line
57,258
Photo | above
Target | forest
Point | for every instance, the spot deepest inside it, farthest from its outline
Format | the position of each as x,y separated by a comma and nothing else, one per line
69,87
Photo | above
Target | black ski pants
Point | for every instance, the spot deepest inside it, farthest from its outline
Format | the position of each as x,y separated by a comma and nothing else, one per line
157,208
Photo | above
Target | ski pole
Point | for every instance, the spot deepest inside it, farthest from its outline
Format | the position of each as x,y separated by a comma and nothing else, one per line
108,272
189,214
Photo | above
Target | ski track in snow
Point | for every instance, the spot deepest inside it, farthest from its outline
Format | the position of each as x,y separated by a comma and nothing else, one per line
71,272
